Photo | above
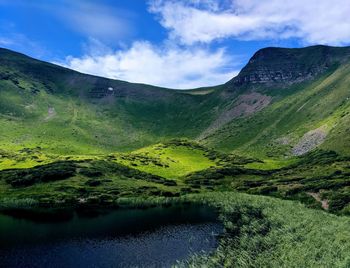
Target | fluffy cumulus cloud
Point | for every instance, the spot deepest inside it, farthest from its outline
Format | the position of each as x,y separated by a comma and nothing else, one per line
187,58
167,66
312,21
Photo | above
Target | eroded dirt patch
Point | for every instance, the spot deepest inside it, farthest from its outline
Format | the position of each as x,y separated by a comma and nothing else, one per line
310,141
244,106
317,197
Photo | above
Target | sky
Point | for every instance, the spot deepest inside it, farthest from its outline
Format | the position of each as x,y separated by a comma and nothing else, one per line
170,43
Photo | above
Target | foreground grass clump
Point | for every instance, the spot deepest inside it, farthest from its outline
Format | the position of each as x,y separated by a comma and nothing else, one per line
268,232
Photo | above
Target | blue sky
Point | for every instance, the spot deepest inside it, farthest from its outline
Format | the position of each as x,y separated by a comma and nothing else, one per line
178,44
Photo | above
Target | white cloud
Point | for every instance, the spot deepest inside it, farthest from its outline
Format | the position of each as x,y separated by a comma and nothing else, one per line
95,20
313,21
169,66
4,41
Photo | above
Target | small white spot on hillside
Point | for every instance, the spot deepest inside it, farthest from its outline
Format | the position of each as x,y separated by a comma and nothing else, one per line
110,89
51,112
283,140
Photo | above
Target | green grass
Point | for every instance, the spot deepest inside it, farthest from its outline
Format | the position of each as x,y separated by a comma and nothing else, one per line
321,173
168,161
259,231
267,232
304,107
70,183
136,116
141,115
268,164
195,169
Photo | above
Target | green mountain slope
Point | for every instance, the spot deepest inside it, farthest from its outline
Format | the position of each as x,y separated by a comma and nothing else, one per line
304,110
284,102
63,111
278,129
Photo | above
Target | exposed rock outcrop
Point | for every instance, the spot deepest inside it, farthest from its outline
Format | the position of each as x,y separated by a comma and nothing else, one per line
245,105
310,141
288,66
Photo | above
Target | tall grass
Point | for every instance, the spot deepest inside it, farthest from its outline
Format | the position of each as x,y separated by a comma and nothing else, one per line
267,232
11,203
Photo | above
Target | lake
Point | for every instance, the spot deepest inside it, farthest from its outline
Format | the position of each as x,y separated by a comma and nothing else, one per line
154,237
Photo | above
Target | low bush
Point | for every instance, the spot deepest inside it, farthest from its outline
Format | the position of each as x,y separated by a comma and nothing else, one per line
46,173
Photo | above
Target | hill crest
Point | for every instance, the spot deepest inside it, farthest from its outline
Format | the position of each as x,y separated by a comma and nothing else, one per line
273,65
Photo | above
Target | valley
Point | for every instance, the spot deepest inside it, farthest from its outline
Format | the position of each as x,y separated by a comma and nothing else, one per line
269,150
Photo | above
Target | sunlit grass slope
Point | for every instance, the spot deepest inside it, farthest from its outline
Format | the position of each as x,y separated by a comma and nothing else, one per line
172,159
168,160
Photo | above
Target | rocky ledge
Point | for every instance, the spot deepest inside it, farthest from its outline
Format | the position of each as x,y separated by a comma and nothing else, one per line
288,66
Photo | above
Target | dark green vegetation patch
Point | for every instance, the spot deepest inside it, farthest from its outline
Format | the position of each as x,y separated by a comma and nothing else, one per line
47,173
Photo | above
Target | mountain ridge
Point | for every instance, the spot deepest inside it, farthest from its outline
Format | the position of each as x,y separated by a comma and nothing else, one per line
105,115
294,64
331,55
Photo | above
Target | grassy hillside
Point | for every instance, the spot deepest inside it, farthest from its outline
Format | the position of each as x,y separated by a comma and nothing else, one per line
279,130
67,180
285,102
168,160
66,112
318,179
314,112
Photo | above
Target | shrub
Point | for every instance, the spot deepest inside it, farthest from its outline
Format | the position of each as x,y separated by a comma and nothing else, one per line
90,172
46,173
93,183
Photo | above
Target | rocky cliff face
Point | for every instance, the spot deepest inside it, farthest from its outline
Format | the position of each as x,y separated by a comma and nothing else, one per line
287,66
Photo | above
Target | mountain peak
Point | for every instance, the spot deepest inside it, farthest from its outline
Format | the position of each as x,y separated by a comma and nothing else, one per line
289,65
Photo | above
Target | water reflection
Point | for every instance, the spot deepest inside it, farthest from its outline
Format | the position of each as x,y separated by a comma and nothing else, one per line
154,237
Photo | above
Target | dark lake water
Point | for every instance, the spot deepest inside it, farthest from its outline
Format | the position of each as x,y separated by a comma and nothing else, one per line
156,237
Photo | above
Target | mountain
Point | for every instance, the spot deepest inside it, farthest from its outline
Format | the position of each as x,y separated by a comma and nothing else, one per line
73,144
289,102
284,102
64,111
287,66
